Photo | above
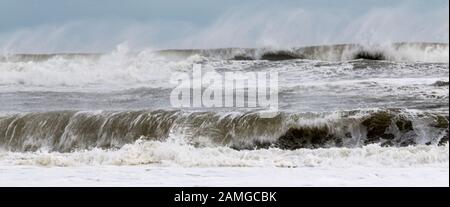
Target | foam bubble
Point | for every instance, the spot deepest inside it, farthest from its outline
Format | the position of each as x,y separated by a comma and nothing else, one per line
181,155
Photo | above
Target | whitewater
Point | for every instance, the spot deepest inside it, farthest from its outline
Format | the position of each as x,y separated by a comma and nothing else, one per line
350,115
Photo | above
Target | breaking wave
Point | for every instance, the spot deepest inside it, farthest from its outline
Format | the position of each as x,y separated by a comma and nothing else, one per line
170,153
402,52
69,131
99,72
124,69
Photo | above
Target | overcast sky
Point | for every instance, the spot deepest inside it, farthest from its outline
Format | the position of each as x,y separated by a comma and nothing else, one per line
54,25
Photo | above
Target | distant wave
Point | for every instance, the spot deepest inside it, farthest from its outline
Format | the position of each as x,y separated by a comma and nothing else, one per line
126,69
402,52
67,131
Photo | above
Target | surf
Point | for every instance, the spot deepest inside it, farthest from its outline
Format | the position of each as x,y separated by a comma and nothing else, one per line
67,131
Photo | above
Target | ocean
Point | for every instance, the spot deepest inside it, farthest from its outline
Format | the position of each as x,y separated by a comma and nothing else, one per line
348,115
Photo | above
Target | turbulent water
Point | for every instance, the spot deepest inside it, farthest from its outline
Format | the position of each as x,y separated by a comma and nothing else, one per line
353,104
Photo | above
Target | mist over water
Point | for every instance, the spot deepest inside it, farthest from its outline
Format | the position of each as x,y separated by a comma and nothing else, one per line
246,26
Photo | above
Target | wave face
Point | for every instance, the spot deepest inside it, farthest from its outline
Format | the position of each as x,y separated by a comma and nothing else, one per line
69,131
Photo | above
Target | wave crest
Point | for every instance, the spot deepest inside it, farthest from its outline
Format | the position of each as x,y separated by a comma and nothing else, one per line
70,131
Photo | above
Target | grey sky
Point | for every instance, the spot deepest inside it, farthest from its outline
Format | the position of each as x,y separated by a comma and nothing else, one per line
23,13
167,20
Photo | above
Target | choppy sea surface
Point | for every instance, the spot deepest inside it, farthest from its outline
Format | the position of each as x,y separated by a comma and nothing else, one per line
339,106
